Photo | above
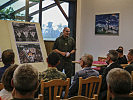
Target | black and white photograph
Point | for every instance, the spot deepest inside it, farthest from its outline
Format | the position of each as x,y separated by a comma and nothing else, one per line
29,53
25,32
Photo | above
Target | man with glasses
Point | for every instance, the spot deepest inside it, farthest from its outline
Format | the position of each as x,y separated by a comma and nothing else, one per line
86,63
65,47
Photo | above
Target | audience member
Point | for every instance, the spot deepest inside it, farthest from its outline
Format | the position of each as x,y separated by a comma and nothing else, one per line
119,83
6,93
87,71
120,47
129,67
25,82
7,59
121,58
112,58
52,73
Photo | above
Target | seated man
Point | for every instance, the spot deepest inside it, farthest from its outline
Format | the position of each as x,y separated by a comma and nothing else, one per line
112,61
25,82
129,67
119,83
121,58
87,71
52,73
7,59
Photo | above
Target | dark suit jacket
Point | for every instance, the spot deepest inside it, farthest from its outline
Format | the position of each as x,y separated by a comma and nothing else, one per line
129,68
103,90
123,98
122,60
84,73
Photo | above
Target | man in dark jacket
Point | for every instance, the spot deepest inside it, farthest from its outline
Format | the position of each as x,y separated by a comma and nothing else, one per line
129,68
112,58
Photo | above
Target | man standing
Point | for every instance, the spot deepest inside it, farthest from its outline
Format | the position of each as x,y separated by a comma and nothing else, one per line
65,47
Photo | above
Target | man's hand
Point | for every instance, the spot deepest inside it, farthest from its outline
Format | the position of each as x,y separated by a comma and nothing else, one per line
63,53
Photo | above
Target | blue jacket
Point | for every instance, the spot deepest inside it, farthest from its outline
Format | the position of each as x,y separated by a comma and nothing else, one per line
2,70
84,73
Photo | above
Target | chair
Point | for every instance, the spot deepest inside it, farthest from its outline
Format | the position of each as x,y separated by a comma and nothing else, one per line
79,98
132,74
108,94
131,94
103,59
40,97
1,86
58,85
124,65
94,84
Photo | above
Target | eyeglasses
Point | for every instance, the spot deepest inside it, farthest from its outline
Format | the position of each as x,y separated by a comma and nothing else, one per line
67,31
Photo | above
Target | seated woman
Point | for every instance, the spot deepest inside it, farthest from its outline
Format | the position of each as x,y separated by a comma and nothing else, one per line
6,92
122,58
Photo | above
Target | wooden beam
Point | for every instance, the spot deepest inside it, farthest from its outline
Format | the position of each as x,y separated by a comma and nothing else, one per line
40,13
45,8
61,9
7,4
69,0
23,8
27,10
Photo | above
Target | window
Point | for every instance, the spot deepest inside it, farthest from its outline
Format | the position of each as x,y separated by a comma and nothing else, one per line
53,20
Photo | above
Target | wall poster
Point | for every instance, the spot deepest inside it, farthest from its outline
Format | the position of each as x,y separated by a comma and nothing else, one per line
107,24
29,53
27,43
25,32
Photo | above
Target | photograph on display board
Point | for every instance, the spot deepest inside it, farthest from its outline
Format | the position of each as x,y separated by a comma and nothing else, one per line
25,32
29,53
107,24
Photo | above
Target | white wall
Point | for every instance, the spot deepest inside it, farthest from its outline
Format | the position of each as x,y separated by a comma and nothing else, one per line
98,45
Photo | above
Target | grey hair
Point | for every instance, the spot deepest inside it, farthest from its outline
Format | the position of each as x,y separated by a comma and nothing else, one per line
87,59
131,52
113,54
119,80
25,79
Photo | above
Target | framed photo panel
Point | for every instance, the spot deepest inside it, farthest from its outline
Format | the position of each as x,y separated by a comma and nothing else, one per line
107,24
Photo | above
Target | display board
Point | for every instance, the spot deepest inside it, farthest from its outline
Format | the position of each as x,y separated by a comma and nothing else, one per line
26,40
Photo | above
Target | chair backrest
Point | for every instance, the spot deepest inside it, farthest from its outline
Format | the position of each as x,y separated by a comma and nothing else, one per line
124,65
40,97
131,94
1,86
94,84
79,98
132,74
58,85
108,94
103,59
